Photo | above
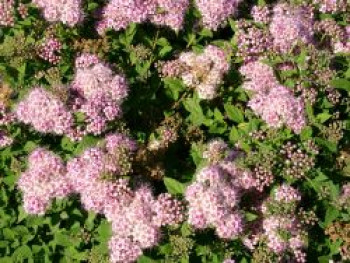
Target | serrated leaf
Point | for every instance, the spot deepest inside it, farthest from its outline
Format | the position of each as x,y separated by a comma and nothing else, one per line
341,84
21,253
173,186
234,113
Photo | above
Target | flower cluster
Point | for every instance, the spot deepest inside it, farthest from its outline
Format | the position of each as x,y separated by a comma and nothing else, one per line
136,221
5,140
45,112
67,11
332,6
136,215
290,25
252,41
92,174
276,104
49,50
99,92
204,71
339,232
44,180
7,17
215,195
277,30
216,12
118,14
96,93
282,229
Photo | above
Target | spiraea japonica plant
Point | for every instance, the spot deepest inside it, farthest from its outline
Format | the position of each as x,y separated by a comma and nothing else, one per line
174,131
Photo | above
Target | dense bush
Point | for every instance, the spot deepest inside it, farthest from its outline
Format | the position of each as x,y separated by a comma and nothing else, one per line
174,131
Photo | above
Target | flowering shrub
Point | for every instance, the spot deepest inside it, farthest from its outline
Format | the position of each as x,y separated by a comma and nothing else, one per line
174,131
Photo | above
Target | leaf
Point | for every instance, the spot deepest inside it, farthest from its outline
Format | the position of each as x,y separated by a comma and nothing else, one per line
63,239
30,146
145,259
234,113
174,86
323,117
104,231
192,105
21,253
250,216
174,186
331,214
306,133
341,84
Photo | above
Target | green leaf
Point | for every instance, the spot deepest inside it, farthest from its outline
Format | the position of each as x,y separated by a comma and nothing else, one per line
174,87
306,133
192,105
21,253
63,239
104,231
234,113
331,214
341,84
250,216
323,117
174,186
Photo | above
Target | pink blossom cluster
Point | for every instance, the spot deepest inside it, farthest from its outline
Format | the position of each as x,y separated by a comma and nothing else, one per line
290,25
45,112
67,11
99,91
7,17
118,14
280,107
6,117
285,27
281,229
96,93
204,72
89,173
261,14
136,221
344,198
5,140
49,50
275,104
332,6
252,41
216,12
136,215
214,197
44,180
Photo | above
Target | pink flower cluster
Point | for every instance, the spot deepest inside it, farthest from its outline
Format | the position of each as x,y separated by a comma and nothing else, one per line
5,140
44,180
45,112
290,25
89,173
216,12
50,49
67,11
332,6
275,104
215,195
6,117
281,229
96,92
204,71
7,13
136,215
118,14
136,220
285,27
